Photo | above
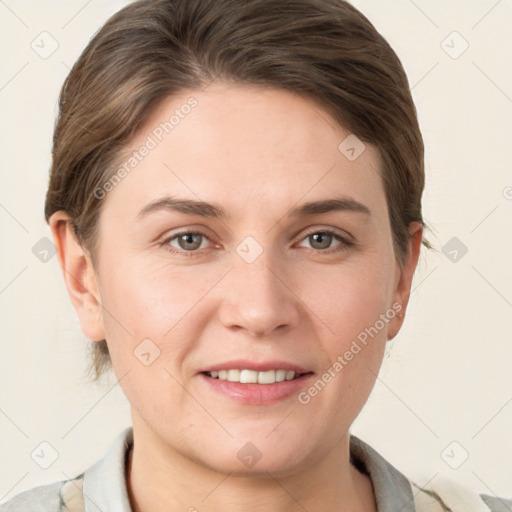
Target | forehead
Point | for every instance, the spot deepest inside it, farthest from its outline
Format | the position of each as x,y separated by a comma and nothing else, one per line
247,146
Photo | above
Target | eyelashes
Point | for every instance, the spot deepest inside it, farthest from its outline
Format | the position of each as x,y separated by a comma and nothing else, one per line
344,243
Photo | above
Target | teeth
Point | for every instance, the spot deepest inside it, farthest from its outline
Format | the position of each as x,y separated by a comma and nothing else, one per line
268,377
253,377
248,377
281,375
234,375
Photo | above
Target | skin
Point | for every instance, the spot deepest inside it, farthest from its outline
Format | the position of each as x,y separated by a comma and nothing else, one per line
258,153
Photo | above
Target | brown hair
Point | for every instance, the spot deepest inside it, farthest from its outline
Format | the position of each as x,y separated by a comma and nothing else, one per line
325,50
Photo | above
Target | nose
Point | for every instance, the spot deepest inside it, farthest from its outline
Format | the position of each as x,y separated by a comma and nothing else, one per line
259,298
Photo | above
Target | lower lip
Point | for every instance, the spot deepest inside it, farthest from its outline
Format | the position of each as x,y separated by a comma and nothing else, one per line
258,394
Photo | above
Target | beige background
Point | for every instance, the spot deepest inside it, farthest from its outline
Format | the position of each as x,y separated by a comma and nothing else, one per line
448,376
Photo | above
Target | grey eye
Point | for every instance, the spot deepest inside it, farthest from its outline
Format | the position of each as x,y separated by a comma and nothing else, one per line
189,241
320,240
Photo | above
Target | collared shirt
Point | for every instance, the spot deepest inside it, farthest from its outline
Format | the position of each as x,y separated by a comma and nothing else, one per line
102,488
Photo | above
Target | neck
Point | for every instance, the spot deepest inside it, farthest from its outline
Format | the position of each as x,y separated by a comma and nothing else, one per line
160,478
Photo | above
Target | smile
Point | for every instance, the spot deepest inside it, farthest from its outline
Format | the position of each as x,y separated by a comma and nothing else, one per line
254,377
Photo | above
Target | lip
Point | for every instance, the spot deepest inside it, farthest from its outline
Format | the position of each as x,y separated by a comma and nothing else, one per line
257,394
245,364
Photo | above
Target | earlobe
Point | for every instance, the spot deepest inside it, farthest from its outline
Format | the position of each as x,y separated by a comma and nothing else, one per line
79,276
405,274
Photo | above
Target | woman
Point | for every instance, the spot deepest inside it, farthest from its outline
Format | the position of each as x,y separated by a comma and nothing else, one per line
235,197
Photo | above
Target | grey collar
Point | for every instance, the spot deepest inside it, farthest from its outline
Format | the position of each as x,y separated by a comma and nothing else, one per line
392,489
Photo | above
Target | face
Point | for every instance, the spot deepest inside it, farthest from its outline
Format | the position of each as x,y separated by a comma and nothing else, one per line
259,278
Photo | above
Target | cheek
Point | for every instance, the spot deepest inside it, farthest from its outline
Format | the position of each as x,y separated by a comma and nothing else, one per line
350,299
354,306
151,301
165,306
146,315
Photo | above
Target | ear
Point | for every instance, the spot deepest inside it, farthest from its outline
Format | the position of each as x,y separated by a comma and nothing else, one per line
404,277
79,276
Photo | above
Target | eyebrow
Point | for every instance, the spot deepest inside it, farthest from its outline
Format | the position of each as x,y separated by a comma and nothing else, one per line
204,209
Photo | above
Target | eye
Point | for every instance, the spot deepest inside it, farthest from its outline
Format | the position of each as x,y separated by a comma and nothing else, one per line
321,240
188,242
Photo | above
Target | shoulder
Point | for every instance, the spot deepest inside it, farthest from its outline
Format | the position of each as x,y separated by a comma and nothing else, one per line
395,491
102,486
443,494
63,496
497,504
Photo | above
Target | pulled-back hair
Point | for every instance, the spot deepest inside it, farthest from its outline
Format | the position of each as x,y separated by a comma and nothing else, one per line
323,50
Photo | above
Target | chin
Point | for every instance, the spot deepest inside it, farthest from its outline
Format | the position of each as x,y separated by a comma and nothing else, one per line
255,459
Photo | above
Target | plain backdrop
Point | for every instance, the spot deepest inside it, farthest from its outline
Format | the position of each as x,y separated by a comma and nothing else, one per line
442,404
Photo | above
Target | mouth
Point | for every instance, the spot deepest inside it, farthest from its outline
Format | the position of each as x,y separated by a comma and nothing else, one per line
252,382
246,376
256,386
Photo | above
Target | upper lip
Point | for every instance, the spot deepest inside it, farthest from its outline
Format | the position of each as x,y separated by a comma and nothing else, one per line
262,366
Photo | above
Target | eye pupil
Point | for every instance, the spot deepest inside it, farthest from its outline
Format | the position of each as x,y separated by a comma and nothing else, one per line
322,237
191,242
188,239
